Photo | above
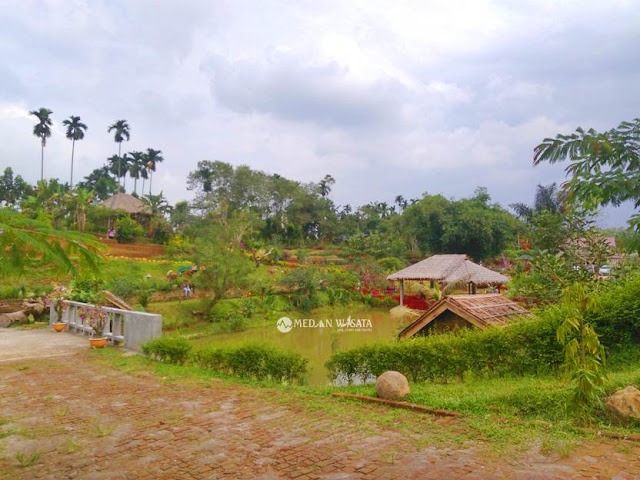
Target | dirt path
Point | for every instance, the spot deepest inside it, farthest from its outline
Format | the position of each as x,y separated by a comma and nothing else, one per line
88,421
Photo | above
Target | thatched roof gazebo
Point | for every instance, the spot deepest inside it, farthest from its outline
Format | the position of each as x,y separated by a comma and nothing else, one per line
127,203
448,269
466,311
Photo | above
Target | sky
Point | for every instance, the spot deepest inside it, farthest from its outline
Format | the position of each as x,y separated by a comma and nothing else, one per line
389,97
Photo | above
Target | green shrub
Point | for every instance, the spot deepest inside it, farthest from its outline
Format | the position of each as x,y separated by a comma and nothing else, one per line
168,349
127,229
254,361
123,287
527,347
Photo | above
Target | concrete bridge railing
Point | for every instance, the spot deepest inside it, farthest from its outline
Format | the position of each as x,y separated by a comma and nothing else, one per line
125,327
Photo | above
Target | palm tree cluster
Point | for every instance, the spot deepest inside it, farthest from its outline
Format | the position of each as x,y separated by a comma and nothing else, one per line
139,165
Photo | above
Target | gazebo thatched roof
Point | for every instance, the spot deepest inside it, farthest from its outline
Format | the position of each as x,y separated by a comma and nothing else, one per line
450,269
486,310
127,203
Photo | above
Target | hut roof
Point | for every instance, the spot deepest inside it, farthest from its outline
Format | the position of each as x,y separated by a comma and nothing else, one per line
128,203
450,269
491,309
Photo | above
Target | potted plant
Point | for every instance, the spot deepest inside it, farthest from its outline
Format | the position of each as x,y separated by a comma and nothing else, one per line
57,296
97,320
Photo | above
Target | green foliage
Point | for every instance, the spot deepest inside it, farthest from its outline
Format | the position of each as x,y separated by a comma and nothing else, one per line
86,290
528,347
473,226
127,230
584,355
159,230
168,349
254,361
392,264
27,243
618,318
605,167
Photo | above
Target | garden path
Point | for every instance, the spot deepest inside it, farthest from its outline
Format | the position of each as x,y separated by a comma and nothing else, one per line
76,417
17,344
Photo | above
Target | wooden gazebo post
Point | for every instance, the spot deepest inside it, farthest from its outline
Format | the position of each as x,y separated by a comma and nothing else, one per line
401,292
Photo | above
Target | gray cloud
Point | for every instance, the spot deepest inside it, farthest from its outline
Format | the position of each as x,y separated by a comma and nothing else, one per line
391,98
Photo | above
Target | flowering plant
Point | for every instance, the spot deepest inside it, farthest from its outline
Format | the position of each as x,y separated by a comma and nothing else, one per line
57,296
96,318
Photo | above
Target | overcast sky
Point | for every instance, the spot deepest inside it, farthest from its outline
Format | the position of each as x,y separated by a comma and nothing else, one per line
390,97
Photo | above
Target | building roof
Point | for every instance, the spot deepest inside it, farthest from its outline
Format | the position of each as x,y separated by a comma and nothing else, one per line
485,310
127,203
450,269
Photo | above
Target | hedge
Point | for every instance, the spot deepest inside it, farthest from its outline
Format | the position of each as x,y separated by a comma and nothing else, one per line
253,361
526,347
168,349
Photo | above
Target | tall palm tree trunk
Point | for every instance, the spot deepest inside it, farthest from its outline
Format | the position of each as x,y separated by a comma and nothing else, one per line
119,160
73,147
143,182
150,180
135,185
42,161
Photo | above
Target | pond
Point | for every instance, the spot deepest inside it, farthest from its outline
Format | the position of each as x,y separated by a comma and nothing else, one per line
317,343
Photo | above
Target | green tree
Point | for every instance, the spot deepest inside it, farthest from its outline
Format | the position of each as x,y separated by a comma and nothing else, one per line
222,263
75,131
547,199
122,132
42,130
157,203
13,189
153,158
584,355
136,166
324,187
604,166
78,203
100,182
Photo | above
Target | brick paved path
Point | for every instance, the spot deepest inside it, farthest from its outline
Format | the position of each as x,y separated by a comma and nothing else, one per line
89,421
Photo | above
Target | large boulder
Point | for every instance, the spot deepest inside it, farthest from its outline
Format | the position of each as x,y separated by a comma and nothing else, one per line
8,319
392,386
624,404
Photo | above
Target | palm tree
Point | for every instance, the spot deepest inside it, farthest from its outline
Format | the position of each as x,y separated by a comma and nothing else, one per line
136,165
153,157
125,163
42,130
325,185
121,134
548,198
75,131
114,163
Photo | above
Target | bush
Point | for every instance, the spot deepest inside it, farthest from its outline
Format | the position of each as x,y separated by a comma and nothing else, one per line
160,231
618,319
168,349
526,347
258,362
123,287
127,229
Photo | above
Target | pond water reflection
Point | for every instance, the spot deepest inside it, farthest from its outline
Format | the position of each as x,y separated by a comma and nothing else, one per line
317,344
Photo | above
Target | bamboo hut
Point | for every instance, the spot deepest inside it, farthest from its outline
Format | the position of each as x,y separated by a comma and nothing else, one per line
448,269
466,311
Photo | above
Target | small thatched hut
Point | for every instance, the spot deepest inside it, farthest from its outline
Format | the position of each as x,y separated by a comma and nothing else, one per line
466,311
127,203
448,269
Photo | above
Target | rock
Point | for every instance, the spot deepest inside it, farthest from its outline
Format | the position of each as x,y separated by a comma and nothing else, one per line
33,308
8,319
624,404
392,386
